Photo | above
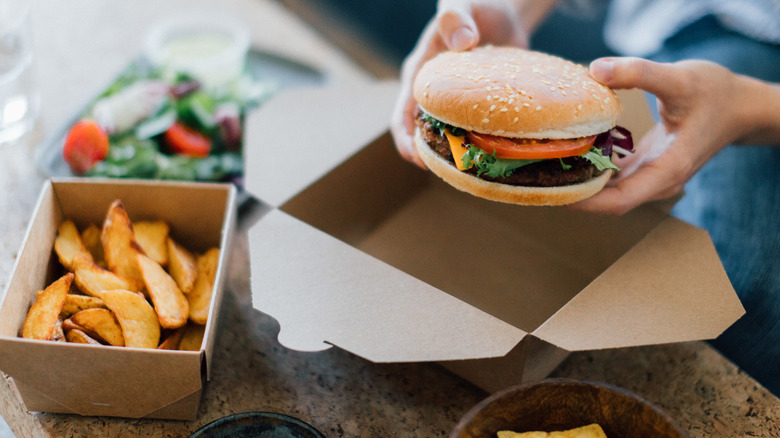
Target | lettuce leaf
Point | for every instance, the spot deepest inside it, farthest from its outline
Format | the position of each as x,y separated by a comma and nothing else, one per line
600,161
487,164
441,126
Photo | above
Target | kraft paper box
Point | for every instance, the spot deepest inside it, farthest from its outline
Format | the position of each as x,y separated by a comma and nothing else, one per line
358,249
100,380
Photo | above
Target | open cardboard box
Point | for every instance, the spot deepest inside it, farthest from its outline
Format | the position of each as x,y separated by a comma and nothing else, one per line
112,381
358,249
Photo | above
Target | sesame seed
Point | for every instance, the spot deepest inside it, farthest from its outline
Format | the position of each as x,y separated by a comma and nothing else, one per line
492,107
485,120
563,92
425,94
546,82
510,101
476,105
526,104
539,108
517,109
606,100
552,88
574,92
503,110
523,92
427,84
516,119
502,99
579,107
489,97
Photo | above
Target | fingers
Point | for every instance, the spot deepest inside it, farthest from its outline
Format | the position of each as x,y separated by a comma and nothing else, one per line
662,80
456,26
649,183
402,130
458,30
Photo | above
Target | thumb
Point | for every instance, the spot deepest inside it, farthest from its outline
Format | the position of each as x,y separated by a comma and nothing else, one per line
458,29
621,73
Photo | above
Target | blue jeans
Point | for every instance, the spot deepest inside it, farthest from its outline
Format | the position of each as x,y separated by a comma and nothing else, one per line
736,198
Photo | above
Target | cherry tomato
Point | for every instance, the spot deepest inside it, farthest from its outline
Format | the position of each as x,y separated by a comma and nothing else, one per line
85,145
186,141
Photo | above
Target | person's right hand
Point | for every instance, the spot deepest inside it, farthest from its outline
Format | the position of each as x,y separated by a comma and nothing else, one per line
458,25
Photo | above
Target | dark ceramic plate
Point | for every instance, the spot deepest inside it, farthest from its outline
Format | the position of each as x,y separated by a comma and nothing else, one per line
257,425
561,404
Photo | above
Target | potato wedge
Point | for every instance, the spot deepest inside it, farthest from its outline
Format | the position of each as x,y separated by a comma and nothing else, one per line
91,239
44,313
68,244
100,324
200,297
140,326
173,340
193,337
152,237
182,265
92,280
79,337
170,304
76,303
69,325
119,244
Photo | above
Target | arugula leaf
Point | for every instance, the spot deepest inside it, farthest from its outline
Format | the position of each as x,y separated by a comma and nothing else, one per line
441,126
491,166
600,161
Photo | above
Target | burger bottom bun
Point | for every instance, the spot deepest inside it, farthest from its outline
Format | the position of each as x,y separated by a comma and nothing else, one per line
510,194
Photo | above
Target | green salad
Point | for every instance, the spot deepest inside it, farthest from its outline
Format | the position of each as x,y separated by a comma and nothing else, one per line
155,125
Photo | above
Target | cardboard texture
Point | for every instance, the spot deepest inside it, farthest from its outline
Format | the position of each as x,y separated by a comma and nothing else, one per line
112,381
359,249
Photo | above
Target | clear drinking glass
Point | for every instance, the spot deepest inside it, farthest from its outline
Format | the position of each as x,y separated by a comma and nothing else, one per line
19,97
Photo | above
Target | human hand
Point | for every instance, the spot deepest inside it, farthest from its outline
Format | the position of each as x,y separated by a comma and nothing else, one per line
700,111
458,25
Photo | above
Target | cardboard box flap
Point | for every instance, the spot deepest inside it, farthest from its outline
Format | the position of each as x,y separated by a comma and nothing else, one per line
313,130
106,385
356,302
670,287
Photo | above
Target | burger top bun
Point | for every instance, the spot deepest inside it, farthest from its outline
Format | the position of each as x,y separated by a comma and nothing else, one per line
512,92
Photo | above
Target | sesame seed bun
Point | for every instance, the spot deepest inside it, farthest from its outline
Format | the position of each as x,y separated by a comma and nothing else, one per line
512,92
522,195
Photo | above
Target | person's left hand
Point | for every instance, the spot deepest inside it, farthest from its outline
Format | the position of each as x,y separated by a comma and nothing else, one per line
700,111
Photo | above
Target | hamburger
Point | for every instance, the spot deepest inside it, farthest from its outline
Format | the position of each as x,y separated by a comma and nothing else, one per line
517,126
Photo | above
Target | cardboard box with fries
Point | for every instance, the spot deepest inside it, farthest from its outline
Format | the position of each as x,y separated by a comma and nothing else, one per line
361,250
112,306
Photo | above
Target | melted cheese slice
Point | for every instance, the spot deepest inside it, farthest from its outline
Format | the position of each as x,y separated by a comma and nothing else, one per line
457,148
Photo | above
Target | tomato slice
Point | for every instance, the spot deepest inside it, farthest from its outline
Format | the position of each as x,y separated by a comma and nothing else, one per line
525,149
186,141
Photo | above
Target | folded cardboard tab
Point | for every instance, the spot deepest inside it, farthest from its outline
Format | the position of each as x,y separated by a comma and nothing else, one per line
112,381
367,252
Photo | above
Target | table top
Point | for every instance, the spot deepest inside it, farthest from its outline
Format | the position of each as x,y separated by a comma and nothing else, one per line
81,45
